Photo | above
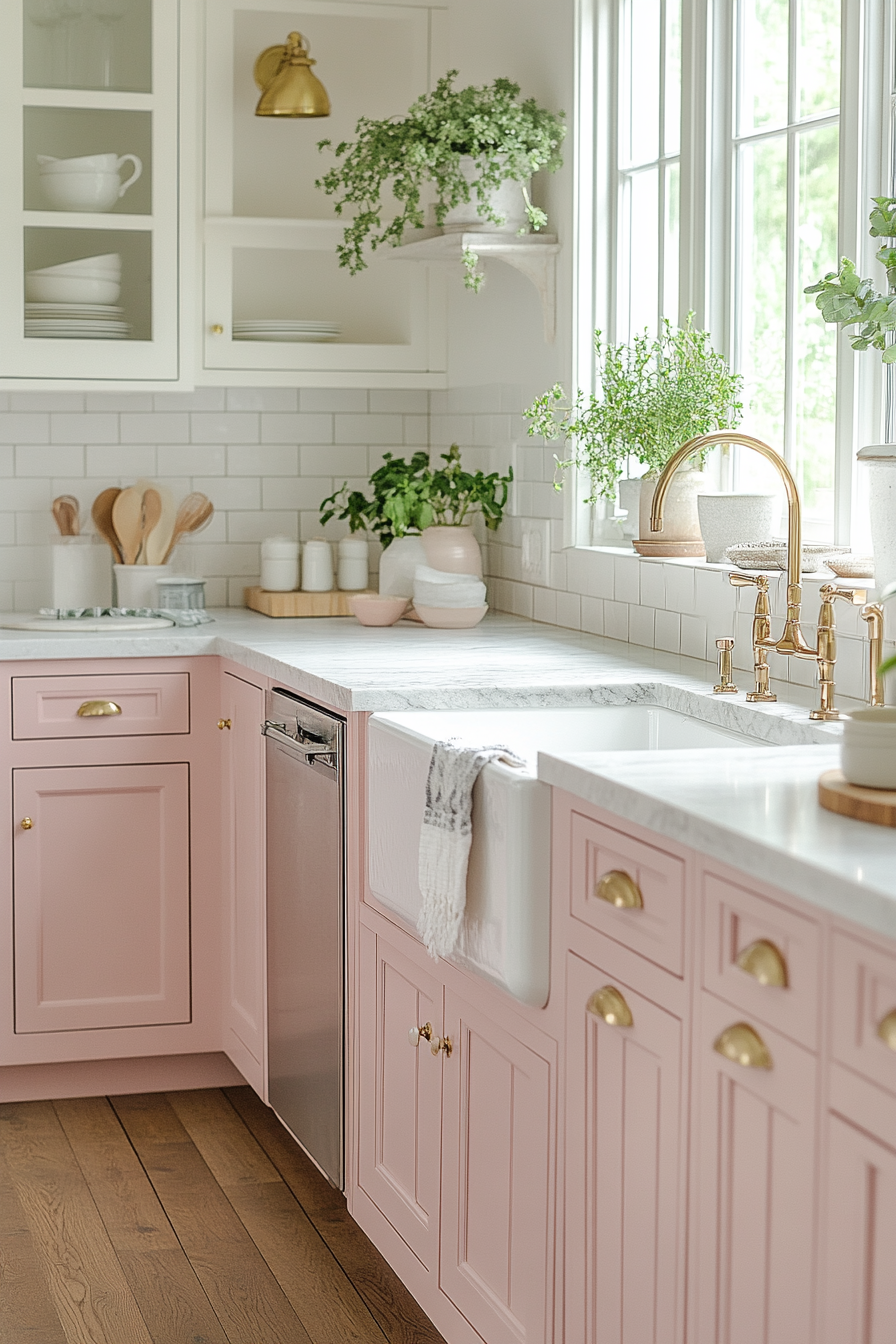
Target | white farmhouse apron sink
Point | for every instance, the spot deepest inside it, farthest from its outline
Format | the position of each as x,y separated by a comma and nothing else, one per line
505,933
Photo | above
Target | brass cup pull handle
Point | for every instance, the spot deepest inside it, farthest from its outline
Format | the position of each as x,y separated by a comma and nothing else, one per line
620,890
886,1029
26,824
743,1046
609,1004
416,1033
98,709
765,963
440,1044
225,723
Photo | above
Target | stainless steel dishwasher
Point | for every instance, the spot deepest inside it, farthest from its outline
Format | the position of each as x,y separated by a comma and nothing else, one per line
306,924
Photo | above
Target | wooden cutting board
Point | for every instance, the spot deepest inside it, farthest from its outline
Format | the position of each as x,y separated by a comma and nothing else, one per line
299,604
875,805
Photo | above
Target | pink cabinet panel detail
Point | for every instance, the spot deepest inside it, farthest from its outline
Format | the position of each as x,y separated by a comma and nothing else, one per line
863,990
47,707
400,1094
244,848
624,1169
735,919
858,1280
101,897
497,1178
755,1149
656,930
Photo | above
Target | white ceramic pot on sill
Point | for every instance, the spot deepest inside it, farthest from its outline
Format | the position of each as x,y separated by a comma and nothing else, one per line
454,550
681,523
506,200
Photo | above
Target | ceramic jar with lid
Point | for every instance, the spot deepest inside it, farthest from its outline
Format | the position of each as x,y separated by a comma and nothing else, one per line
317,570
352,565
279,565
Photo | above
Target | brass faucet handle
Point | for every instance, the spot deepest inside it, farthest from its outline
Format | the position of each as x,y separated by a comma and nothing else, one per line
726,686
873,616
759,581
856,597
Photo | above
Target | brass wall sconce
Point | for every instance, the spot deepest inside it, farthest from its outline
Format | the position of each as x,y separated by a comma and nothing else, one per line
289,89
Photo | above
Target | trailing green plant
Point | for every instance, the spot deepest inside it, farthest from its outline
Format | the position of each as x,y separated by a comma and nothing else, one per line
653,396
409,496
845,298
508,140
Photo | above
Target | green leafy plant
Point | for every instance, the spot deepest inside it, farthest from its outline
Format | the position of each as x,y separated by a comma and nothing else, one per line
654,395
408,496
845,298
507,140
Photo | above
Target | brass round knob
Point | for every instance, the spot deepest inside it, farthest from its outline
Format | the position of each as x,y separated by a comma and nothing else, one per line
26,823
225,723
216,329
442,1043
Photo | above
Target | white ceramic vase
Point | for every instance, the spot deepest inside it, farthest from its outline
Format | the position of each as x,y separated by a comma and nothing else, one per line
629,500
681,523
881,460
731,519
454,550
506,200
398,564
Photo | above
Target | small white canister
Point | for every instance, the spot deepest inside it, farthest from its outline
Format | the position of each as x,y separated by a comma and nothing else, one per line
317,575
353,564
868,750
279,565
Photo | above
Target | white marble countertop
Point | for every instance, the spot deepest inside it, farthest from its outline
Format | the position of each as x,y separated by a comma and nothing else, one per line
755,810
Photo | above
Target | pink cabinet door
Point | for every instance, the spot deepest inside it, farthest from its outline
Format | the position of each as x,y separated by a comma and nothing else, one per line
101,897
858,1278
497,1178
400,1094
755,1149
244,1008
625,1169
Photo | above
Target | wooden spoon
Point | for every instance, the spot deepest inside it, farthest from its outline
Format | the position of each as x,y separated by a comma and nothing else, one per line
194,512
101,513
152,512
66,511
127,519
159,538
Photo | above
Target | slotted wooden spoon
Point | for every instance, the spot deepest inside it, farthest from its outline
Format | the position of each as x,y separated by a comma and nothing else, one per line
101,513
127,519
194,512
66,511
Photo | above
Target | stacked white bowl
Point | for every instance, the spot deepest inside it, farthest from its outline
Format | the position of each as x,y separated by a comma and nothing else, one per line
447,600
76,300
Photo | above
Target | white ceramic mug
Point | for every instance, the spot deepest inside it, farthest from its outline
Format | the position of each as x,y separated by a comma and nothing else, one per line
868,750
92,183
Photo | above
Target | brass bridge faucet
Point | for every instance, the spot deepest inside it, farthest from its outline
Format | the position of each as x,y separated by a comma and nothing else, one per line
792,642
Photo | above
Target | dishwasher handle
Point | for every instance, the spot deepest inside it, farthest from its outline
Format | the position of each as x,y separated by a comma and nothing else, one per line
328,755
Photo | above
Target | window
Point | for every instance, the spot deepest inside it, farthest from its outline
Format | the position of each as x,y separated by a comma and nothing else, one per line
748,137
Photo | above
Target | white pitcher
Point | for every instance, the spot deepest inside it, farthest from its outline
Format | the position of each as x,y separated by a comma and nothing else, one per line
91,183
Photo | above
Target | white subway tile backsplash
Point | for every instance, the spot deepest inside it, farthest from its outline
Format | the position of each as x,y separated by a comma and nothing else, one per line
262,459
24,428
8,528
120,461
112,401
351,399
35,460
195,459
653,583
545,606
679,584
261,523
201,399
333,460
626,578
641,625
230,492
386,401
154,427
616,620
98,427
225,427
262,399
46,401
667,631
694,638
298,428
593,615
569,610
378,429
7,459
294,492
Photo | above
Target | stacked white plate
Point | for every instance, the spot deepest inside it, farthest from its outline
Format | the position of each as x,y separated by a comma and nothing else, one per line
284,329
76,321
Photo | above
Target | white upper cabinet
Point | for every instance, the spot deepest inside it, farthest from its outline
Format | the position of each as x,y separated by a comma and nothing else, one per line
271,235
89,101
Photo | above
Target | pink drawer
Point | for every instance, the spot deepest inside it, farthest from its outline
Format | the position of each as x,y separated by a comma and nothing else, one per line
863,996
158,702
655,928
774,943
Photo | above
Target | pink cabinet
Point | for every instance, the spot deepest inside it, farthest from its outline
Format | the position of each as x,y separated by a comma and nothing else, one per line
754,1146
101,896
243,820
625,1195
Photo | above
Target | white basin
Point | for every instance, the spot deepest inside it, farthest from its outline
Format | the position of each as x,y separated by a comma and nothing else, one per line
506,931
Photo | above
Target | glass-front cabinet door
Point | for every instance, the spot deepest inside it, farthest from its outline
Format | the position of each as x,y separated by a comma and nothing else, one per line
88,210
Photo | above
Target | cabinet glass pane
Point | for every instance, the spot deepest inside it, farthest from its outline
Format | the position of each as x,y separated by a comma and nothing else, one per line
53,247
76,133
88,44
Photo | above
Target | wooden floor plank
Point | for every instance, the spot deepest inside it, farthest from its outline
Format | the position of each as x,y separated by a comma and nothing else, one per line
166,1289
243,1292
86,1282
397,1313
27,1314
317,1287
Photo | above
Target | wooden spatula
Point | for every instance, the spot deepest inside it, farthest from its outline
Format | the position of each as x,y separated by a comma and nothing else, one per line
159,539
101,513
152,512
127,519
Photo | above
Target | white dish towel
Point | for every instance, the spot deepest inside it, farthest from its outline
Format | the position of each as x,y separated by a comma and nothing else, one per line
445,839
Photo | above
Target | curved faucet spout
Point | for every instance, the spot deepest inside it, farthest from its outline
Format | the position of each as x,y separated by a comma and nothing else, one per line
792,640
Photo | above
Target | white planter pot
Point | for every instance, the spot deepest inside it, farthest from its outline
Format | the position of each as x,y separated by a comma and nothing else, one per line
507,200
732,519
398,564
881,460
454,550
681,523
629,499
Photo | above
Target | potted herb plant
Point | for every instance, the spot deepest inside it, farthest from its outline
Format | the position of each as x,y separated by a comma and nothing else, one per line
477,148
653,396
422,515
844,298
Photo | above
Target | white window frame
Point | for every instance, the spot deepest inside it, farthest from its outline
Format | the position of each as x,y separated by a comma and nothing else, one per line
706,251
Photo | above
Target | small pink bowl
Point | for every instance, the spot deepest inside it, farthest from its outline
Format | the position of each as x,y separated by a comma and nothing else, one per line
371,609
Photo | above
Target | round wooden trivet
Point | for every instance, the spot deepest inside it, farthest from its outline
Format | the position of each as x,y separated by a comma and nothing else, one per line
876,805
